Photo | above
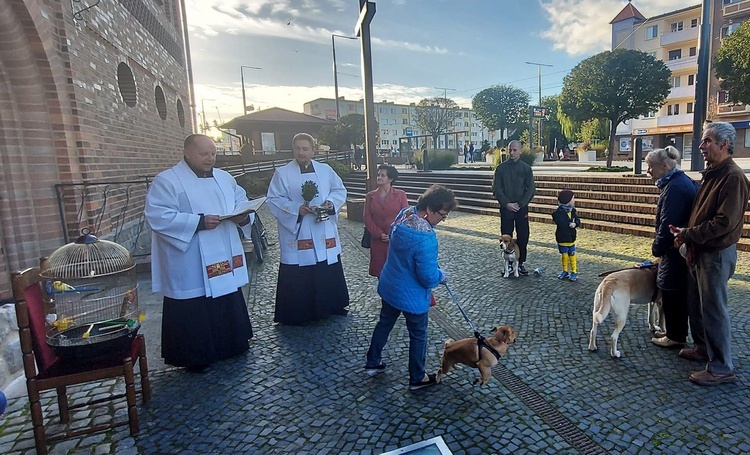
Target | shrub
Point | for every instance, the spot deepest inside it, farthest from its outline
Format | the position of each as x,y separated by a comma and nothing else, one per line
340,168
255,184
439,159
526,156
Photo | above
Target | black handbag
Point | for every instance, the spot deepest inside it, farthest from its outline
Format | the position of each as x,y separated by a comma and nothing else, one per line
365,239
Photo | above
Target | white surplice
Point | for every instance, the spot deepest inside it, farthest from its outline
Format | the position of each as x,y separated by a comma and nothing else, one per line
186,264
284,201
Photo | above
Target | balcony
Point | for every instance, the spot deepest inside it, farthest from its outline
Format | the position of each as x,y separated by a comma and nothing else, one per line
688,34
737,9
686,91
674,120
733,109
684,63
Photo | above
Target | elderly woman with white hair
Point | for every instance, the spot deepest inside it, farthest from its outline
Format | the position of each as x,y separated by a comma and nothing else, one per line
673,208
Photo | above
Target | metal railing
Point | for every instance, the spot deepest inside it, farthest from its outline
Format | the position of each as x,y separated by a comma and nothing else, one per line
112,210
261,166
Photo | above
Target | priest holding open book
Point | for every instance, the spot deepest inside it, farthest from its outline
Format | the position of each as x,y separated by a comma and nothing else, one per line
197,259
305,196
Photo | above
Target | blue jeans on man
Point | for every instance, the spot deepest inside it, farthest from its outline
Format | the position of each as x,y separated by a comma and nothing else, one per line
417,326
708,307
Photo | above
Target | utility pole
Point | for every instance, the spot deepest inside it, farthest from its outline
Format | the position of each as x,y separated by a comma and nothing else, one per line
242,80
445,109
539,73
362,30
701,87
335,71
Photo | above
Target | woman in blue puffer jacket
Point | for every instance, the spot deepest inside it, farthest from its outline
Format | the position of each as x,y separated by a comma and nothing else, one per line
407,279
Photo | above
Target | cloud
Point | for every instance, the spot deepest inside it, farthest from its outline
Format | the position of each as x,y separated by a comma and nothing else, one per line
581,27
305,20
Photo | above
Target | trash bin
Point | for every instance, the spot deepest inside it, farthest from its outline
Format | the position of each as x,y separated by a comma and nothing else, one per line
355,209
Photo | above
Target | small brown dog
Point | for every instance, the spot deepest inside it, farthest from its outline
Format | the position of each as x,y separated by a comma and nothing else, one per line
467,352
509,255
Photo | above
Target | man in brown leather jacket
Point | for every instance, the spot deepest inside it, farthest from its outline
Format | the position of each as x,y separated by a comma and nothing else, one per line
710,245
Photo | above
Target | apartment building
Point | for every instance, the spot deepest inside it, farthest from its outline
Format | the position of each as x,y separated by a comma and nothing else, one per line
672,37
397,121
727,16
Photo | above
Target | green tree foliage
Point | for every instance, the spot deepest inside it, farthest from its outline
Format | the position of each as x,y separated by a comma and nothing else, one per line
596,128
436,116
732,64
553,129
617,85
349,130
501,107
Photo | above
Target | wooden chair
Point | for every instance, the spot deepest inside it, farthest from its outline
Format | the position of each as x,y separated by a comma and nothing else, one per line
53,373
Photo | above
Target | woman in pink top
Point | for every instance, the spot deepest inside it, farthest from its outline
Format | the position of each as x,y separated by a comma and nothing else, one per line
381,207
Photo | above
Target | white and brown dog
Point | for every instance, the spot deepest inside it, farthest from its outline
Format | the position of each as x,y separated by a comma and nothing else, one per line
469,352
509,254
616,292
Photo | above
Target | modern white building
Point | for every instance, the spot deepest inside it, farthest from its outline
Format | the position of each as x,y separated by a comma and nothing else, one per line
396,121
673,38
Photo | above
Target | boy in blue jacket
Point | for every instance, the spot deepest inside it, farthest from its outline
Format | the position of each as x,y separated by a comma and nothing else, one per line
567,221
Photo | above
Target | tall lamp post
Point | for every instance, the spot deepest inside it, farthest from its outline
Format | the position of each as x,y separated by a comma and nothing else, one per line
335,72
204,125
539,73
242,79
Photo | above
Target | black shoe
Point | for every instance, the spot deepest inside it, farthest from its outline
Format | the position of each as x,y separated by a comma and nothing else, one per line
372,371
522,270
431,381
200,369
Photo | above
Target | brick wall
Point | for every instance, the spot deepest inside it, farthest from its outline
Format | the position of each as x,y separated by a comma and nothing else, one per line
62,114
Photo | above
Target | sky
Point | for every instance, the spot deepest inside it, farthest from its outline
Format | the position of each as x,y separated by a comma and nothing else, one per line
420,48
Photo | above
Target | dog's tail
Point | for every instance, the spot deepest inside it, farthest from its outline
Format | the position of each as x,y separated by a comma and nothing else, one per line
603,301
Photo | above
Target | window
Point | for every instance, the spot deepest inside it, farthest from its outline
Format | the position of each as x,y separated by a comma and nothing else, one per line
675,81
466,124
693,23
393,110
690,108
673,109
126,84
728,29
161,102
649,115
722,97
181,113
652,32
404,110
691,79
466,114
383,110
383,132
351,107
693,51
675,54
404,121
747,138
676,26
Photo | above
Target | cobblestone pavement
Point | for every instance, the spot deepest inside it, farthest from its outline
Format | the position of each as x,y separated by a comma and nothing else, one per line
303,390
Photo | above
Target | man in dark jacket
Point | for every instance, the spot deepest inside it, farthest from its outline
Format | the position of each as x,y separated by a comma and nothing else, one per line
513,187
710,245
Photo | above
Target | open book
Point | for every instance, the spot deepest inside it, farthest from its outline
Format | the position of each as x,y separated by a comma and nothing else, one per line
245,207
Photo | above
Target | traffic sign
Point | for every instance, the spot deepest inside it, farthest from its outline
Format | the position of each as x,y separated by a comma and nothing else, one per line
539,112
408,131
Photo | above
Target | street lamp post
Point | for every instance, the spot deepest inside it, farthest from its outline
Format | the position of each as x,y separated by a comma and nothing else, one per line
204,125
242,79
335,71
539,72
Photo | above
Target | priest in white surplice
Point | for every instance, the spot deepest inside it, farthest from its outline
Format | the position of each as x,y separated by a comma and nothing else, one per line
197,260
311,284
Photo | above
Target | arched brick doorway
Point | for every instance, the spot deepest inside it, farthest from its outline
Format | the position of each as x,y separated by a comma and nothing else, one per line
33,140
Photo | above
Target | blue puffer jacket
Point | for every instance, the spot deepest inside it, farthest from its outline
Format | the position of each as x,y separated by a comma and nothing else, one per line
411,270
674,206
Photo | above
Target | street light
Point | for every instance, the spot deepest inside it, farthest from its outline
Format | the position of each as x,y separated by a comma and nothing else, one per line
335,72
242,78
204,126
539,72
445,106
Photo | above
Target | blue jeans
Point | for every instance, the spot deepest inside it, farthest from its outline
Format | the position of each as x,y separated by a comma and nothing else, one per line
417,326
708,306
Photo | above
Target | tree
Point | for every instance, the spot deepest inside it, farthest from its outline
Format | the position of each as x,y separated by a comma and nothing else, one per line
552,127
501,107
349,130
732,64
436,116
617,85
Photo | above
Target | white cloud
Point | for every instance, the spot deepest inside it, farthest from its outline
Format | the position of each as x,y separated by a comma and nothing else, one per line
581,27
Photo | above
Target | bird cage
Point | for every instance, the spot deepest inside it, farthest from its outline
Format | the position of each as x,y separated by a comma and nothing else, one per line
91,299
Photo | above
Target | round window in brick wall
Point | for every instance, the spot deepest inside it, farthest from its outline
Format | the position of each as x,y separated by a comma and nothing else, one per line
180,113
161,102
126,83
